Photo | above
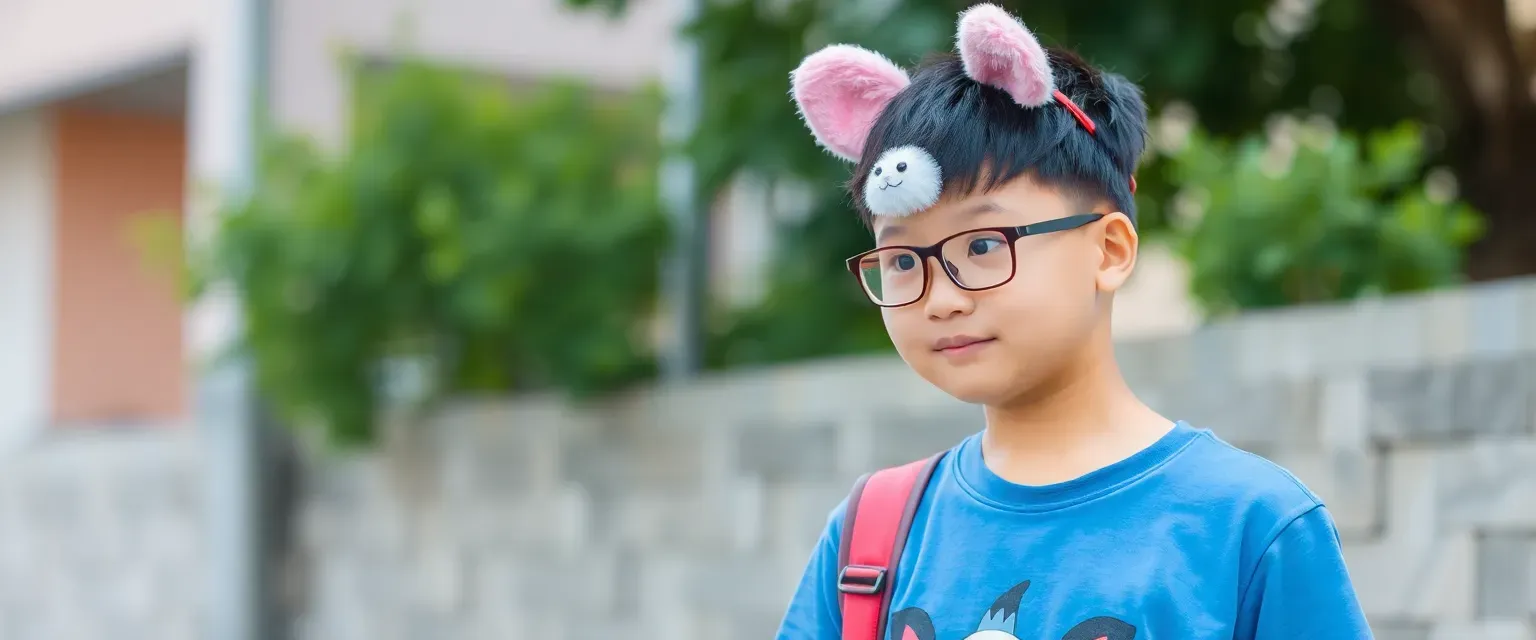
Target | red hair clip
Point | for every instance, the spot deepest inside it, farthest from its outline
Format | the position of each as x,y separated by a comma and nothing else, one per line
1083,119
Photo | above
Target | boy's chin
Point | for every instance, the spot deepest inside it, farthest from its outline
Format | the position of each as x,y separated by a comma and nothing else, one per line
976,387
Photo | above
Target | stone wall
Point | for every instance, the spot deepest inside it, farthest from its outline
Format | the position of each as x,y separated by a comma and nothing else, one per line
1414,418
101,536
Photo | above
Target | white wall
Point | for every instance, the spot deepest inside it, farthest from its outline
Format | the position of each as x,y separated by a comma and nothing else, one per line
520,38
26,273
51,47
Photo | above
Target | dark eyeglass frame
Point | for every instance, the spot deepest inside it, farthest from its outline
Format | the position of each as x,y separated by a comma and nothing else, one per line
932,251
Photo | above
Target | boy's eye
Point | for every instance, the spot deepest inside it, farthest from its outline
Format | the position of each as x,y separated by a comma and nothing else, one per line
904,262
982,246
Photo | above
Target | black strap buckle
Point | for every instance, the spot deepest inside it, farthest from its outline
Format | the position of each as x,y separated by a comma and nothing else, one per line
861,579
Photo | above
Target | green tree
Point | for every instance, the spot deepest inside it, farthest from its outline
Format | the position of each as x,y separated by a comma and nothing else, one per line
502,242
1311,216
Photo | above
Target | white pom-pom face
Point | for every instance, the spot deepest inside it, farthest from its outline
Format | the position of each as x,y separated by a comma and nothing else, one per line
904,181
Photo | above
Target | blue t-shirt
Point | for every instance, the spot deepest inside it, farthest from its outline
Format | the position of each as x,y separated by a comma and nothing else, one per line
1190,538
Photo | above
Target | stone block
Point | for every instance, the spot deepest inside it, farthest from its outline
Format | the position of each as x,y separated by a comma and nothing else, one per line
899,438
1495,396
531,523
1394,581
493,460
1257,416
1349,482
1506,583
1297,343
437,579
663,596
755,625
742,584
343,483
1330,339
1496,317
1393,330
1151,365
628,565
1412,405
576,584
1416,570
1488,484
663,520
1454,401
593,628
619,458
1343,413
1516,629
1214,350
421,625
1399,630
1446,323
743,504
775,452
796,513
127,595
493,619
855,447
825,391
349,585
1526,336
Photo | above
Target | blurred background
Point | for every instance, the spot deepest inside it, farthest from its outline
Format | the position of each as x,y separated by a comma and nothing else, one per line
528,319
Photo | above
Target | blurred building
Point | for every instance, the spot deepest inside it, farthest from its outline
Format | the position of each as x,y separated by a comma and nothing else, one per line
102,122
99,126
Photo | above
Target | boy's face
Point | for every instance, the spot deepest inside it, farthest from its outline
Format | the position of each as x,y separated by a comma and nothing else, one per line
993,346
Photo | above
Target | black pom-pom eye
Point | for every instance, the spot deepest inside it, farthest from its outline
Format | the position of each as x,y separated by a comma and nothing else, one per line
901,166
877,171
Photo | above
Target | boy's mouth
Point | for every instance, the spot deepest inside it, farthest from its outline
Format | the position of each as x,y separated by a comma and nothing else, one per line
957,344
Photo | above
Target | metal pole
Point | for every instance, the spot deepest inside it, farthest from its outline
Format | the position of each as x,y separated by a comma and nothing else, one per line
229,72
685,274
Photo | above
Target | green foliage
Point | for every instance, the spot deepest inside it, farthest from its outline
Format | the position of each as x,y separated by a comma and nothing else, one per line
1310,216
506,242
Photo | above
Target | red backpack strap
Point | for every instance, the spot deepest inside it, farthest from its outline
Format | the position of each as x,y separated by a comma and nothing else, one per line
879,515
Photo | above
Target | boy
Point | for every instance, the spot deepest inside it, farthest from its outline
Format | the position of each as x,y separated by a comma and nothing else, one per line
998,184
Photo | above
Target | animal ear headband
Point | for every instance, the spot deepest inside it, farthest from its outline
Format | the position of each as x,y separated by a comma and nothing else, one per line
842,89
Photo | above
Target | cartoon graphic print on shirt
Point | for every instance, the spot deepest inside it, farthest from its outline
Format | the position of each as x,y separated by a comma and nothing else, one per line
1000,621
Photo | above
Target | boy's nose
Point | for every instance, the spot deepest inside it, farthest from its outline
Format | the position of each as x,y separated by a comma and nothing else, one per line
944,299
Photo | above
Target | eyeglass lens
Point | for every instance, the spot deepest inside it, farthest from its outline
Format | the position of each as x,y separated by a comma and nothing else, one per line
976,260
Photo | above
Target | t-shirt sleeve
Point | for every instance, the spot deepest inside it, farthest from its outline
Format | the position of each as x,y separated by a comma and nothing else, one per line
813,613
1301,587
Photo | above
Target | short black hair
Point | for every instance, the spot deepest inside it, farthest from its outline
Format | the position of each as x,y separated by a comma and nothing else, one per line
983,139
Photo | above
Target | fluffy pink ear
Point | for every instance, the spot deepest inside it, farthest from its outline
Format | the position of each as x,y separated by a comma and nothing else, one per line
997,50
840,90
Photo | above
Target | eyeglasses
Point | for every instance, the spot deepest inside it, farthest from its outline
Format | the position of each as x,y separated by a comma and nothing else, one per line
974,260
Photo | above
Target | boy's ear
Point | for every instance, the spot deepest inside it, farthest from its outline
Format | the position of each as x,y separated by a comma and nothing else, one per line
998,51
1118,247
840,91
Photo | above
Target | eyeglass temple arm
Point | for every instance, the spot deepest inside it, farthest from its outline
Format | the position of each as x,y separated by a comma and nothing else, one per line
1059,224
